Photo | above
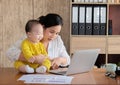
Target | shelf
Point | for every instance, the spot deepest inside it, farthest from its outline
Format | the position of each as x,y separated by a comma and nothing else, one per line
95,3
113,45
108,43
88,35
113,3
80,43
113,36
87,3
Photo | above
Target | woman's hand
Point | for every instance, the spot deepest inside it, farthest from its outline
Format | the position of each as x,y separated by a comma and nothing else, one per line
56,62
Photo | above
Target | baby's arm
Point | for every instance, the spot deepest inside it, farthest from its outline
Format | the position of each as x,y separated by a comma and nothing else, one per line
27,53
32,59
40,58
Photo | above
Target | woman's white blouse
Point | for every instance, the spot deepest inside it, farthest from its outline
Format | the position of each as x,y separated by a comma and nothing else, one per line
56,48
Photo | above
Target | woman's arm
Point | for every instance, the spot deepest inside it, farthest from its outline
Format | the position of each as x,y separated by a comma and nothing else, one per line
63,53
38,59
13,53
58,50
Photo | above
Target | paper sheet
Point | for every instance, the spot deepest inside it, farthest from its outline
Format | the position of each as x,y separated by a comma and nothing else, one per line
46,79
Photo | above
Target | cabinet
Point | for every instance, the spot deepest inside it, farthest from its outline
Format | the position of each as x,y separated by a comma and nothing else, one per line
109,42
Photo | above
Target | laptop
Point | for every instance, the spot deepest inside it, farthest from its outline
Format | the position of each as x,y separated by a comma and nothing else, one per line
82,61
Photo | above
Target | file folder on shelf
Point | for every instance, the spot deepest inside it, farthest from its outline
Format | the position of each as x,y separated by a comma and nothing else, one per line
86,1
96,20
91,1
96,1
81,20
110,27
103,15
75,20
88,28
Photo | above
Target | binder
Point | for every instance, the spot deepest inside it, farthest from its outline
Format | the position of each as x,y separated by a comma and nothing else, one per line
81,20
91,1
88,23
96,20
100,1
82,1
75,20
79,1
87,1
110,27
95,1
75,0
103,15
104,1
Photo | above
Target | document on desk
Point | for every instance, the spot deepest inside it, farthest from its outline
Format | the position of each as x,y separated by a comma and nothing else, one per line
46,79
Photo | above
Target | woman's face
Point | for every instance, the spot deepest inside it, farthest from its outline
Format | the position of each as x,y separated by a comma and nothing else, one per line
52,32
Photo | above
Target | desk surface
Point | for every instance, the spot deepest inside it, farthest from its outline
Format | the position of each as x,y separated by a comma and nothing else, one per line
9,76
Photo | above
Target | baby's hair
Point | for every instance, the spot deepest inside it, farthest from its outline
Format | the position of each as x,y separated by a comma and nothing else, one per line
30,24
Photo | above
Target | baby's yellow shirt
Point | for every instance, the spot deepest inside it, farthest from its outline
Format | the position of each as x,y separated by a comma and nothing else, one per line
30,49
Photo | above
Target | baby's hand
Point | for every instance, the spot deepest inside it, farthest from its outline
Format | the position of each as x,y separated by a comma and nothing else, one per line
48,58
31,60
40,58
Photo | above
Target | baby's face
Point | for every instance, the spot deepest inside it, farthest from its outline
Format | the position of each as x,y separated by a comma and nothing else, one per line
36,33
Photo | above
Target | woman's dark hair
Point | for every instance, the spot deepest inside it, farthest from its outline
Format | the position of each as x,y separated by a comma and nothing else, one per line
30,24
50,20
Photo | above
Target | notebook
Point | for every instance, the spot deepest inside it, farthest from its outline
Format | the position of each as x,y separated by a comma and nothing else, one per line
82,61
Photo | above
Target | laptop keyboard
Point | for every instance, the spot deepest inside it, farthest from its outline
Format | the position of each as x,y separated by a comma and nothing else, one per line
62,72
59,71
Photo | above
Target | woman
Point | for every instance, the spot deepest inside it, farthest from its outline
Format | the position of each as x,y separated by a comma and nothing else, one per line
53,43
